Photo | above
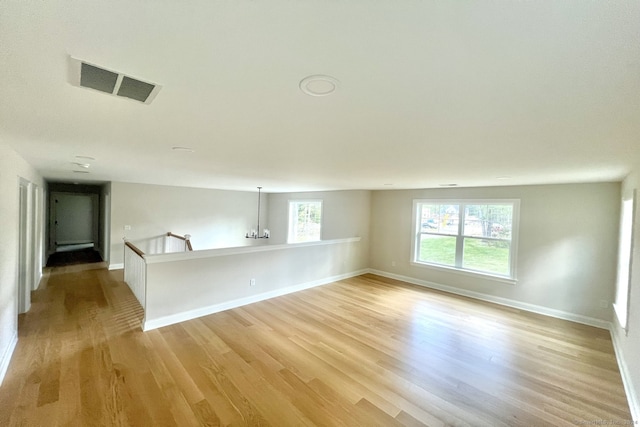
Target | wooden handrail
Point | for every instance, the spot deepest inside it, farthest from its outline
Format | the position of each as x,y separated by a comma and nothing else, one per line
188,242
134,249
170,234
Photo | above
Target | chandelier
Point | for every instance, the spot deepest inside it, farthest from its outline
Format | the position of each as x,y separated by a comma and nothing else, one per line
255,232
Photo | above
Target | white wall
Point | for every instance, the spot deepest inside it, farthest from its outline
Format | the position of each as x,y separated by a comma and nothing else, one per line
195,284
224,216
214,218
566,250
219,218
12,168
344,214
628,345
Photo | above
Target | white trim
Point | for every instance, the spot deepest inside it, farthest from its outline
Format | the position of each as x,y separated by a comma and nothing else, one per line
192,314
632,397
6,357
622,299
210,253
471,273
39,276
417,231
591,321
118,266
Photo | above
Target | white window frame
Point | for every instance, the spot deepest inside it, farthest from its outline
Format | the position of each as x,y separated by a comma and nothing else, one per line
513,250
625,257
291,225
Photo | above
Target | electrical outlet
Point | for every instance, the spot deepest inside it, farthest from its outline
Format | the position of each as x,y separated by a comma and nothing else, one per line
252,282
127,227
393,263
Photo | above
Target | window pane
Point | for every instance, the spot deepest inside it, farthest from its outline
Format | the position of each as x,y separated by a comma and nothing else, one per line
440,219
437,249
490,256
305,220
488,221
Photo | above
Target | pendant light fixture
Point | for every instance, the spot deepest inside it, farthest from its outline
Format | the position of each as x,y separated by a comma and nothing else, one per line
255,233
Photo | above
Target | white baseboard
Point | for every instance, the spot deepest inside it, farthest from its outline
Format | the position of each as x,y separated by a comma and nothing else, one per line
6,357
118,266
632,396
39,276
602,324
215,308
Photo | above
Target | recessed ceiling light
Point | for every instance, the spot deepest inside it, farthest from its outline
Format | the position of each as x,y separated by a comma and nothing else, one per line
82,165
85,157
448,185
319,85
503,178
183,149
388,185
80,171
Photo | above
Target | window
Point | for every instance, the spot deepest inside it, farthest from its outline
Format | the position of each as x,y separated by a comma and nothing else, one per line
469,235
621,305
305,220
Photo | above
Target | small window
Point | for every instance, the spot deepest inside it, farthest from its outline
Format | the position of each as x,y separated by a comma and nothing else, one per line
305,221
469,235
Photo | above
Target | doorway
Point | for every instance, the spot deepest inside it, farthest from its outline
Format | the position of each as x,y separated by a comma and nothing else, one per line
77,216
74,220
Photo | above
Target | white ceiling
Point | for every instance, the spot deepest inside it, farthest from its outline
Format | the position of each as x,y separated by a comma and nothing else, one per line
431,92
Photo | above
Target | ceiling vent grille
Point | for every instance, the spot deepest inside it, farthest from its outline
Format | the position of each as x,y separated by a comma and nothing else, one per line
91,76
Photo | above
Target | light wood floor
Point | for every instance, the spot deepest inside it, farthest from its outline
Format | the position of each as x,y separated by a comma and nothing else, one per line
360,352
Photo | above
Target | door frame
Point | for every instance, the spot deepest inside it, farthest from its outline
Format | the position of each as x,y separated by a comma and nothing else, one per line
26,245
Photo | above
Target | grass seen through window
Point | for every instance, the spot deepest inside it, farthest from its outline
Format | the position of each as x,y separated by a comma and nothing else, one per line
479,254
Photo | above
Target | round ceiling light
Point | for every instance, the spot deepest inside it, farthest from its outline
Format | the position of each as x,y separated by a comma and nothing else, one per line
319,85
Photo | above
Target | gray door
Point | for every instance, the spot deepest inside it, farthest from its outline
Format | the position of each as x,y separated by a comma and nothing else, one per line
73,218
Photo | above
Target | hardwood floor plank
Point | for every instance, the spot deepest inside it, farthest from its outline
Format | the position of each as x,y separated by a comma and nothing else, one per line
50,381
407,420
377,417
364,351
225,399
205,414
391,394
307,398
176,374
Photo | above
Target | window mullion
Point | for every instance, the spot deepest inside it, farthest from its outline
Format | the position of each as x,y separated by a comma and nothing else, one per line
460,237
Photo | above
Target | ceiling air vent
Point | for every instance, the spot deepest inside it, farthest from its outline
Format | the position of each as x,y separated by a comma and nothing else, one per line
91,76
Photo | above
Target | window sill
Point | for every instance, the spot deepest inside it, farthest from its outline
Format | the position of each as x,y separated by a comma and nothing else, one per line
470,273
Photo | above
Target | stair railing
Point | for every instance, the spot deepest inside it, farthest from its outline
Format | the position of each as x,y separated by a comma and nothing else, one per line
182,244
135,271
